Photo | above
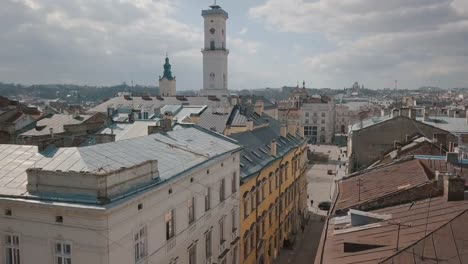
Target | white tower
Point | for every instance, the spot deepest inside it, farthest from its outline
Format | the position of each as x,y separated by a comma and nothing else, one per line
215,54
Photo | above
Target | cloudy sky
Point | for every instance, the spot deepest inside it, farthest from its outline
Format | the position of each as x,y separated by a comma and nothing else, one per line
327,43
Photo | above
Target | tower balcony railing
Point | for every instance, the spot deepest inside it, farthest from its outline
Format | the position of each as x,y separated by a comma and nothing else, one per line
214,49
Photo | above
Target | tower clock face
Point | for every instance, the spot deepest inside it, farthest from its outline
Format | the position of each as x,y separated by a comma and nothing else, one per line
212,30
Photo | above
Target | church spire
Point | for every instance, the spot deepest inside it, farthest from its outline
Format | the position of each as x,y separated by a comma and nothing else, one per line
167,70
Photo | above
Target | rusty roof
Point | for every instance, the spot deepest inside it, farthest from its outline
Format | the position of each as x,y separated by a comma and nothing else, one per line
375,183
436,223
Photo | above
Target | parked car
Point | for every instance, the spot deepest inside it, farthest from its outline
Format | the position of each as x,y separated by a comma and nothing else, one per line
325,205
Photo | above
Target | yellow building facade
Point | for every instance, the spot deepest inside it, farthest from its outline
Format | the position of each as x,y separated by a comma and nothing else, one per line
273,192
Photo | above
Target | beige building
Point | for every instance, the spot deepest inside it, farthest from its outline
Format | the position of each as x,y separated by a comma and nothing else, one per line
164,198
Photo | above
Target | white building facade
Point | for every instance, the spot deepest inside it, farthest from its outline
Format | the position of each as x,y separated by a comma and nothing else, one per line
318,119
215,53
80,206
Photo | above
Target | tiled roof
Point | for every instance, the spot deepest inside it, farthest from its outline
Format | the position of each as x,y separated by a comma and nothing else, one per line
176,152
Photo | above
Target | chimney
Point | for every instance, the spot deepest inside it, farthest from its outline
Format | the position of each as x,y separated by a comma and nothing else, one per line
405,112
396,144
426,111
412,113
292,128
466,117
454,188
227,130
259,107
51,130
395,112
273,148
301,131
234,100
283,131
452,158
407,139
249,124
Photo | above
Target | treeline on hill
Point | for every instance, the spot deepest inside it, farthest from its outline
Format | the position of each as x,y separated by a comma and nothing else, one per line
64,91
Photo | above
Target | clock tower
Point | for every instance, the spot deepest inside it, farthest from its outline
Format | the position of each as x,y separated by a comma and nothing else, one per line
215,54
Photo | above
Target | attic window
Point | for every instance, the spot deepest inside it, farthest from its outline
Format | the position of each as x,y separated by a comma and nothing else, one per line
268,146
140,206
356,247
256,154
8,212
262,150
247,158
282,140
278,144
59,219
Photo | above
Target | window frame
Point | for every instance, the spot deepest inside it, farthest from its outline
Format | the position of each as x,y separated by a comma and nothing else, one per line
14,248
64,257
170,233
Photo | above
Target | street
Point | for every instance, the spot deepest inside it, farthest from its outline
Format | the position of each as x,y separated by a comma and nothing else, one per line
321,187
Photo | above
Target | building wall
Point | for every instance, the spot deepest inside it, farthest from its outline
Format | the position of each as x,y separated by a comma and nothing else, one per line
167,87
106,235
281,202
320,116
369,144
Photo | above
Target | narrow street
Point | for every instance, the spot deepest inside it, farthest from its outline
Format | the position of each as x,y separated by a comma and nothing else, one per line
321,186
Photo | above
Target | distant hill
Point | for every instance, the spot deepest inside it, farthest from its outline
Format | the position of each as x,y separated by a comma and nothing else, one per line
64,91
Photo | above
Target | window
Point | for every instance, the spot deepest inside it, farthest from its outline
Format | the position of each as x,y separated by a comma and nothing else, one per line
233,218
270,218
323,121
140,244
212,45
170,224
307,114
12,250
246,246
246,207
221,231
208,250
234,255
193,254
191,210
208,199
234,182
62,253
222,193
323,114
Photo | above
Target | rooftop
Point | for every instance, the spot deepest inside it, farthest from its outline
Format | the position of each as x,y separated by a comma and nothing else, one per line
256,153
370,185
151,103
454,125
422,222
176,152
55,122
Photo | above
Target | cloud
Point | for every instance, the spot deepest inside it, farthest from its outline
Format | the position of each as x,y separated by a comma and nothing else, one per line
99,42
243,31
416,41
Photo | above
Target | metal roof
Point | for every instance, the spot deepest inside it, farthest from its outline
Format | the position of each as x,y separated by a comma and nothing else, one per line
158,102
124,131
373,184
260,138
425,220
454,125
56,122
176,152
